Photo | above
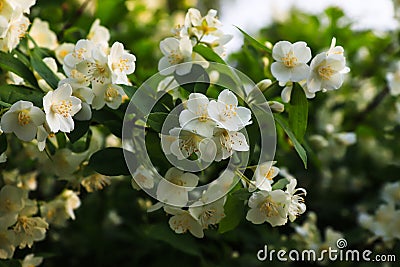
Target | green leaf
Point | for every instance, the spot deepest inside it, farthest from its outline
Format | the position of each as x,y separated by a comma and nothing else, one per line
80,129
208,53
10,263
61,140
156,120
109,161
45,72
254,42
280,184
184,243
129,90
10,94
10,63
196,81
297,146
234,212
298,112
242,194
3,143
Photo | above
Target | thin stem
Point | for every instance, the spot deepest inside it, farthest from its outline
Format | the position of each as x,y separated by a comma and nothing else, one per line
74,18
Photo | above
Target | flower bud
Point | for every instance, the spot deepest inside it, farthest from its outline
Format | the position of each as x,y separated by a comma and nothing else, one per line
264,84
276,107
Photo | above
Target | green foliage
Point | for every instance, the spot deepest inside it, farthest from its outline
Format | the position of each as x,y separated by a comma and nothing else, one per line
298,112
100,161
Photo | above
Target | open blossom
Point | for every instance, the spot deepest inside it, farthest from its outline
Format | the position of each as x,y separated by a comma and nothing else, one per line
183,144
175,51
327,69
11,203
43,35
296,206
59,106
143,178
208,213
268,206
264,175
62,50
96,68
99,35
226,113
121,63
291,61
13,31
29,229
195,118
182,221
82,51
384,223
174,188
23,119
227,142
107,94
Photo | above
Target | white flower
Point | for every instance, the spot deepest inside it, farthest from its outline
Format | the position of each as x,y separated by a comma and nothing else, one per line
208,214
227,142
23,119
29,229
264,175
346,138
42,35
95,182
107,94
84,93
296,206
391,193
31,261
24,5
327,69
195,118
59,106
3,157
226,113
268,206
174,188
121,63
178,51
384,223
95,69
7,244
291,61
143,177
82,51
16,29
99,35
201,26
11,203
182,221
183,144
63,50
65,162
72,202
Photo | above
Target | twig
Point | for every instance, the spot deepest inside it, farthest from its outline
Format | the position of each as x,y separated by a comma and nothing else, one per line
74,18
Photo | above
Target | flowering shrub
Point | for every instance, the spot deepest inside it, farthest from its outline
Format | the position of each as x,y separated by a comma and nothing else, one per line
217,149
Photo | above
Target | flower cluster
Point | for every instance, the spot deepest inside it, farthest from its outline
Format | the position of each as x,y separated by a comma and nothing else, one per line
207,211
13,22
20,225
386,220
195,30
210,129
324,73
270,205
92,69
